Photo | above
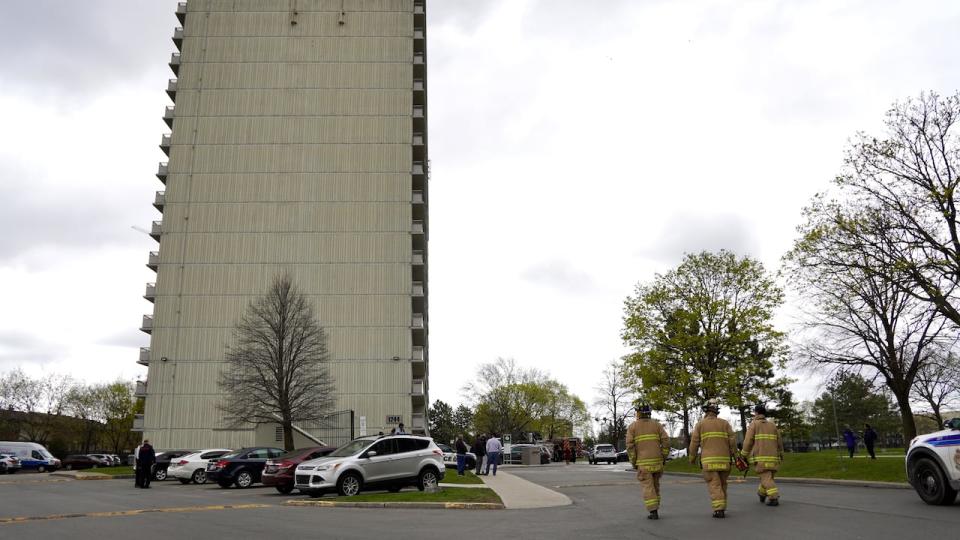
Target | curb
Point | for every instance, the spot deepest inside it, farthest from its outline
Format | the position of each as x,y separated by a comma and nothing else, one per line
91,476
822,481
406,505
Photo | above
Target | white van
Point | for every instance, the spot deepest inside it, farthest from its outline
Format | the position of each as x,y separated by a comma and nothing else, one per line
31,455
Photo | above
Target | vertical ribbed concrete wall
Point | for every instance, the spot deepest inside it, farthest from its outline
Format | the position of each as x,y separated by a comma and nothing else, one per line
292,150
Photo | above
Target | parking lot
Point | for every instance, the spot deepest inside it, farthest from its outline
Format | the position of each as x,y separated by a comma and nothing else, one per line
606,505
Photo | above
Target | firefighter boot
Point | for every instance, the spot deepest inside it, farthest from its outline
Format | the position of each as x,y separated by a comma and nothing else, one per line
653,515
762,497
719,514
773,502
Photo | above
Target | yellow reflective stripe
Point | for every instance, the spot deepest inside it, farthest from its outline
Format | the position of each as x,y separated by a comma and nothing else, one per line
652,437
762,437
715,459
713,435
765,459
773,491
719,502
651,501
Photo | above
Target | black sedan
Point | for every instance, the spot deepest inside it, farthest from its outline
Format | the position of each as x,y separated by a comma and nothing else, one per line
243,467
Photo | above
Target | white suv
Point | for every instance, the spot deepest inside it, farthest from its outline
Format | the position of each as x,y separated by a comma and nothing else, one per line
933,464
390,462
604,452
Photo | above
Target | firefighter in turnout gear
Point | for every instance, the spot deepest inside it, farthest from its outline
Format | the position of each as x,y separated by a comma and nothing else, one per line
648,447
718,446
764,447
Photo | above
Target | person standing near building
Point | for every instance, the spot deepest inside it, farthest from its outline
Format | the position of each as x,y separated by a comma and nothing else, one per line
493,453
851,439
648,447
461,448
869,440
480,450
715,439
137,474
764,447
146,458
400,430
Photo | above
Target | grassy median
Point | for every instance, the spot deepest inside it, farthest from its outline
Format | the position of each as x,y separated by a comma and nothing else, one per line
453,478
888,467
112,471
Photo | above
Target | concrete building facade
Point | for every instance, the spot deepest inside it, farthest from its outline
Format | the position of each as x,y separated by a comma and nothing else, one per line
298,144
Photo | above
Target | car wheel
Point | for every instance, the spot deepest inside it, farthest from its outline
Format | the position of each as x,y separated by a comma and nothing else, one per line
69,467
199,476
284,490
41,469
184,481
931,484
224,484
349,484
244,479
428,478
160,474
94,466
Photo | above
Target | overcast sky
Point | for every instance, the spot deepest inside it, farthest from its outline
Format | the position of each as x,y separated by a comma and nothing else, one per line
577,148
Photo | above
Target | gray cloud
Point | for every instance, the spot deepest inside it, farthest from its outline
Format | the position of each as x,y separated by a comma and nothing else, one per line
686,233
67,49
560,275
20,349
131,337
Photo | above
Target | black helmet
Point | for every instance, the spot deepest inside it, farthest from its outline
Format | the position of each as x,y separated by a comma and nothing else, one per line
643,409
711,405
760,408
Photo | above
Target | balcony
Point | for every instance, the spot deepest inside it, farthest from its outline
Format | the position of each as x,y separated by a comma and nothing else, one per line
417,228
418,59
144,359
417,421
418,139
418,355
160,200
137,422
168,115
156,229
165,144
417,197
417,321
418,85
141,391
182,12
418,33
172,89
151,293
162,171
175,63
418,258
417,389
153,260
418,168
417,289
418,112
178,37
147,325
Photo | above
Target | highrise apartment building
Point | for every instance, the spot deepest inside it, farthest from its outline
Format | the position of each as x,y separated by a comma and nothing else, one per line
298,144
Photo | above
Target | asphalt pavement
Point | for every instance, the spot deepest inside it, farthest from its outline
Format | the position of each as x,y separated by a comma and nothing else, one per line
607,503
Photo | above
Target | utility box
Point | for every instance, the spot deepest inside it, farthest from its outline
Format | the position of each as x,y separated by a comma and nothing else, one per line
530,455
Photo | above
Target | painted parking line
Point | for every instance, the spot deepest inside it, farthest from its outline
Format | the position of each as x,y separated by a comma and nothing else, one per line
120,513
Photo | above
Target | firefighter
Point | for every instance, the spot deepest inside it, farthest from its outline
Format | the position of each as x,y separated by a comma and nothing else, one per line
647,447
764,448
715,439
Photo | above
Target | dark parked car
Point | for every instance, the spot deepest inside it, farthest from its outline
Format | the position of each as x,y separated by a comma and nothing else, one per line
279,472
243,467
81,461
513,455
163,462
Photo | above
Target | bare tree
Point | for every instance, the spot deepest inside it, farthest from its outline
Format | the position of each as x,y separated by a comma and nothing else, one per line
938,384
277,371
615,397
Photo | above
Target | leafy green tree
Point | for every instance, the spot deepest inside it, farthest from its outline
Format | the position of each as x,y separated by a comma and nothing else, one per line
463,421
857,401
704,330
442,427
117,404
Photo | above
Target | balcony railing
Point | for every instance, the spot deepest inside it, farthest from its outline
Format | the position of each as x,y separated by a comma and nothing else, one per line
418,85
141,390
144,359
165,144
417,421
418,112
418,139
160,200
137,422
156,229
168,115
418,167
417,227
178,37
417,320
182,12
162,171
417,197
418,59
147,324
417,389
172,89
418,33
175,63
151,292
417,289
153,260
418,257
417,354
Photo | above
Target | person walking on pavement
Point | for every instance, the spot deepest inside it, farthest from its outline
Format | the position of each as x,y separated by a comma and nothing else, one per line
764,447
851,439
480,450
717,444
146,458
869,440
648,447
494,447
461,448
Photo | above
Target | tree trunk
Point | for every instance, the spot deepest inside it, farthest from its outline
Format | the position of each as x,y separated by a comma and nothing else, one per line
906,415
686,427
287,435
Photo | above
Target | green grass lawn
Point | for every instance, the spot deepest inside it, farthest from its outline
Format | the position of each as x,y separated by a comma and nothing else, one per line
827,464
112,471
468,478
474,495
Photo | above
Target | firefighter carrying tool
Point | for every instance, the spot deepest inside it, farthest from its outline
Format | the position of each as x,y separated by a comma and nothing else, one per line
714,437
764,447
648,447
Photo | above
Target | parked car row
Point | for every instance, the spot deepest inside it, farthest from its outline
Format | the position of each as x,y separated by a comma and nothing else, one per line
9,463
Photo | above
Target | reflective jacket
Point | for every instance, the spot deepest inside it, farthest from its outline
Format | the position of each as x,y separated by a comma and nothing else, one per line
763,444
714,437
647,444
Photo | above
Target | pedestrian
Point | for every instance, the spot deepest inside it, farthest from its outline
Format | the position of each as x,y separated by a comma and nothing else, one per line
764,447
137,474
648,447
494,447
557,452
400,430
393,431
566,451
146,458
461,448
851,439
480,450
715,440
869,440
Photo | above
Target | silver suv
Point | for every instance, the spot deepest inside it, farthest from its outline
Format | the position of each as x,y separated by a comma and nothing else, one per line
390,462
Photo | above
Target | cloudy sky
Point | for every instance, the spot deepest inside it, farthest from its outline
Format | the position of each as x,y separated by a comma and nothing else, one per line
577,148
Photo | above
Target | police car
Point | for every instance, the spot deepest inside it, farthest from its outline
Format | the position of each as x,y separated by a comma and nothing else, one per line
933,464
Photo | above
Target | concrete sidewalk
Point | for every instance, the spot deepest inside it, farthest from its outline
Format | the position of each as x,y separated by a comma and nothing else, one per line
515,492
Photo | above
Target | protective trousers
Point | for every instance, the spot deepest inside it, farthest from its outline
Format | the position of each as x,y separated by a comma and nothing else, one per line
651,488
768,488
717,486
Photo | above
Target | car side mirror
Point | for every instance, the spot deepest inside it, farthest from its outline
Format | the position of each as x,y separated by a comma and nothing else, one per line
371,453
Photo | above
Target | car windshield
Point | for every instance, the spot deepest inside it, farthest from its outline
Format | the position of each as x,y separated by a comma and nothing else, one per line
230,455
604,448
351,448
